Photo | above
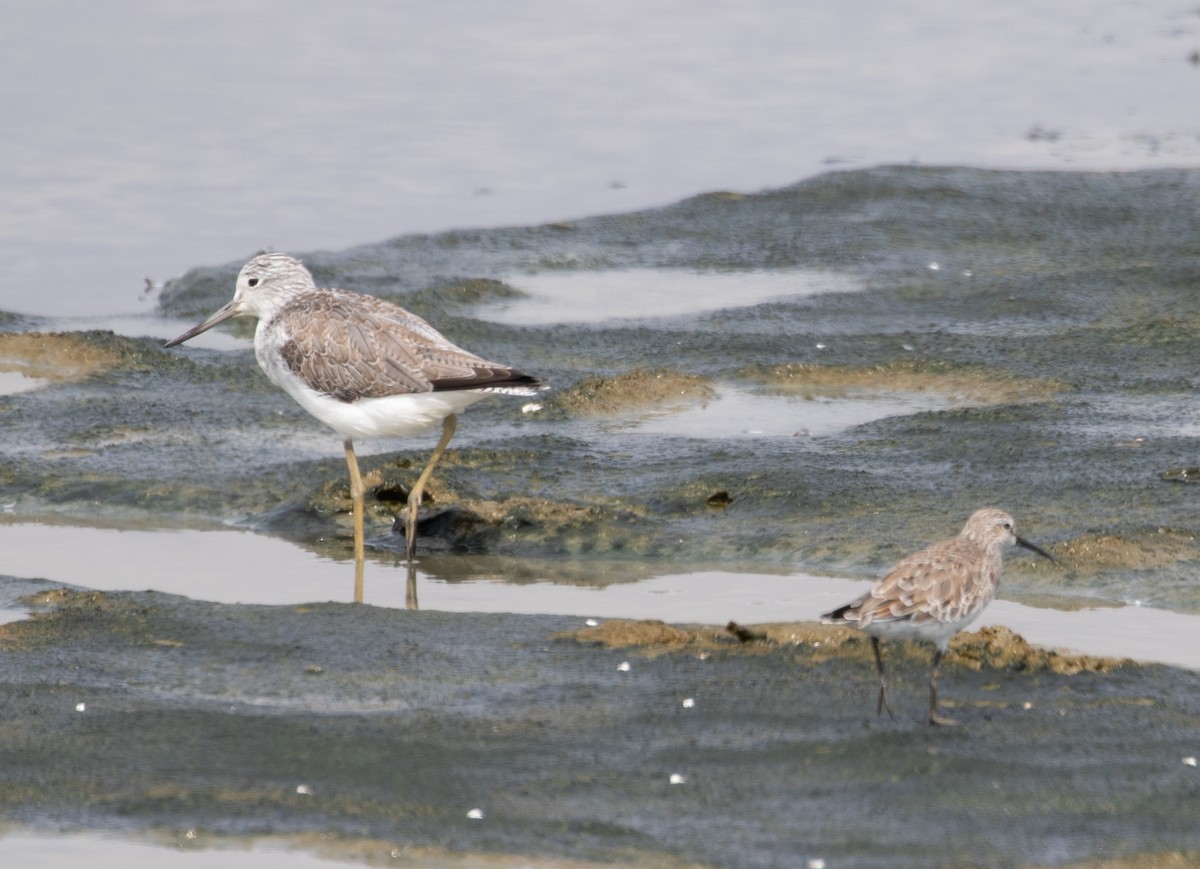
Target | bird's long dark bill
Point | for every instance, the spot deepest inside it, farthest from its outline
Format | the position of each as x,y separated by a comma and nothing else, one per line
220,316
1025,544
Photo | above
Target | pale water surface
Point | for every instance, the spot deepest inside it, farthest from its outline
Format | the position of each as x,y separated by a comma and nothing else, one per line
149,138
592,297
246,568
26,850
740,413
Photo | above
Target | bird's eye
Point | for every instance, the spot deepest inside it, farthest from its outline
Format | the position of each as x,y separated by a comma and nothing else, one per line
1008,526
252,282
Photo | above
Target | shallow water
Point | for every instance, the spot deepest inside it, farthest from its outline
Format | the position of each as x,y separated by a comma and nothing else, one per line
220,562
28,850
625,294
739,413
12,382
159,138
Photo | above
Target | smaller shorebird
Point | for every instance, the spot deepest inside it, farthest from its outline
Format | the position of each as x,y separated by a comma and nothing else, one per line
364,367
933,594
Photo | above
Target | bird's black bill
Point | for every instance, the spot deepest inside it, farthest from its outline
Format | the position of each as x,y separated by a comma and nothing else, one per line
220,316
1025,544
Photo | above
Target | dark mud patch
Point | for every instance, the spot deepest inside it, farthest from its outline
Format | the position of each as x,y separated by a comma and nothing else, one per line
532,527
465,292
1189,860
141,712
454,520
1182,475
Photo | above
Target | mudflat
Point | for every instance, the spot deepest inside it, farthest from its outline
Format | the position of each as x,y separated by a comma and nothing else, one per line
624,742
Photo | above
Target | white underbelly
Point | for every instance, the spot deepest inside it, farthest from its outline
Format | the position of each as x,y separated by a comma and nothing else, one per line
393,416
928,632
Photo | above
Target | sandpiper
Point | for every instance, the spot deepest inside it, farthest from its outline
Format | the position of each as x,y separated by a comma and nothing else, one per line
933,594
365,367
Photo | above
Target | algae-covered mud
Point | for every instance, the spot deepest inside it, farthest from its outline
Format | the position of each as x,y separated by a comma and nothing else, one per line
913,343
395,732
821,378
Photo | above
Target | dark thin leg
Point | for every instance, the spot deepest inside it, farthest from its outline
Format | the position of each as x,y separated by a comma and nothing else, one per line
934,718
414,496
883,698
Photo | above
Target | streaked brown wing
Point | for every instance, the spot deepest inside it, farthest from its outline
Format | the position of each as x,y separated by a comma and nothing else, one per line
351,346
940,583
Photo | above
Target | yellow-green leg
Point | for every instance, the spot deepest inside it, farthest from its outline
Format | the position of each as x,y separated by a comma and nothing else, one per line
357,493
449,424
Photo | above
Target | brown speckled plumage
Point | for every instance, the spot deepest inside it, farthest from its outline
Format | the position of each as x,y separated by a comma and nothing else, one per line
351,346
933,594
